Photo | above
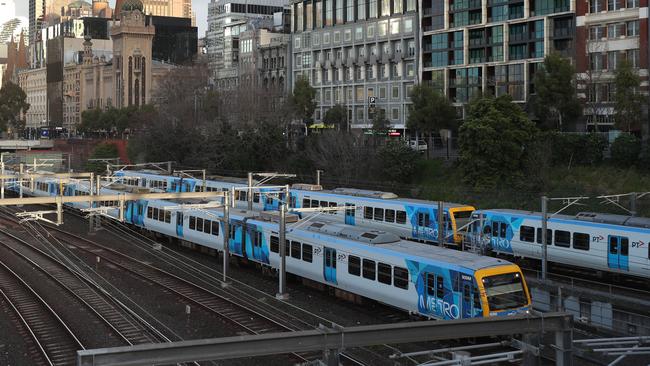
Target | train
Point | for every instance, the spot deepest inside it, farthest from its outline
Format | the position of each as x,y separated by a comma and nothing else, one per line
613,244
411,219
430,281
595,241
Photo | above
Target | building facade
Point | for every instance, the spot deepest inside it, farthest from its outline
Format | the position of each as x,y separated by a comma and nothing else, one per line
263,59
359,54
33,83
608,33
224,18
164,8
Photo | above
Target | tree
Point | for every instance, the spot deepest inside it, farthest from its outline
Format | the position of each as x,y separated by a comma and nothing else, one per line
430,111
628,100
303,100
13,101
494,142
625,150
102,151
398,162
337,116
557,103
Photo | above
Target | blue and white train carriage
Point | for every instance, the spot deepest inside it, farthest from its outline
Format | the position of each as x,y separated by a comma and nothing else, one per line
409,218
430,281
596,241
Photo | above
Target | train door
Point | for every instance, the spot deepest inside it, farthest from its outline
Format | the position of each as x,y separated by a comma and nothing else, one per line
467,288
423,229
179,224
349,214
329,265
618,252
128,214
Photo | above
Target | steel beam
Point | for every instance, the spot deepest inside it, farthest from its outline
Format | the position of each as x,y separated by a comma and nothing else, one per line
331,339
107,197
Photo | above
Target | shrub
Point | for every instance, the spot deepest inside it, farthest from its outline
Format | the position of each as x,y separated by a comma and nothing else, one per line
625,150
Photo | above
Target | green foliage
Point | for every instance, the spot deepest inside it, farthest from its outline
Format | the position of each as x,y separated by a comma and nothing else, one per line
493,142
116,121
102,151
556,103
576,149
397,162
628,101
303,100
380,124
625,150
13,100
337,116
430,111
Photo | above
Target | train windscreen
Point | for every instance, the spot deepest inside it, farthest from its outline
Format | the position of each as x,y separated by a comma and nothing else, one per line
505,291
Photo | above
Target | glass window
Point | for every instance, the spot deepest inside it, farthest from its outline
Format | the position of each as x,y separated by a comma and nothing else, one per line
307,253
192,223
372,8
370,32
581,241
295,250
358,34
633,28
379,214
394,26
361,9
527,233
562,238
383,28
401,217
347,35
398,6
275,244
354,265
632,4
384,273
199,224
401,277
431,284
440,287
369,269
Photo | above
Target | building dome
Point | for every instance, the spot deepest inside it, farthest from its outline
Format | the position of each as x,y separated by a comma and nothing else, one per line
131,5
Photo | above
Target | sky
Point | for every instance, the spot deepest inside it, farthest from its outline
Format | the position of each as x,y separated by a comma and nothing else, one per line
199,6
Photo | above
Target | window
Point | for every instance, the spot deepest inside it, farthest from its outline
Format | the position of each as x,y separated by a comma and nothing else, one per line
354,265
306,203
192,223
401,217
275,244
379,214
215,228
390,215
596,33
307,252
624,246
431,284
358,34
295,250
206,224
527,233
423,219
633,28
615,30
581,241
394,26
401,277
314,203
440,287
632,4
562,238
367,213
384,273
369,270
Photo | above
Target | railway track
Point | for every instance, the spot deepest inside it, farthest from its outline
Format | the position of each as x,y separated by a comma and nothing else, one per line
56,343
84,291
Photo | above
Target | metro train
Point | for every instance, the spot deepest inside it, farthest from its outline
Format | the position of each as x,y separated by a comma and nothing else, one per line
411,219
430,281
596,241
602,242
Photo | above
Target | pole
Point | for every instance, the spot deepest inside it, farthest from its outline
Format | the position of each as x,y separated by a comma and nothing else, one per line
283,246
205,188
226,238
632,203
169,167
441,224
69,163
318,172
20,186
249,196
2,187
544,236
232,197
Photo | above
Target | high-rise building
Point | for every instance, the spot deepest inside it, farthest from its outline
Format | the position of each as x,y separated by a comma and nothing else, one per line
222,14
36,18
358,54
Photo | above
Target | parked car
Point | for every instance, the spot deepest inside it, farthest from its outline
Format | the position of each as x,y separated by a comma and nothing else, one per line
418,145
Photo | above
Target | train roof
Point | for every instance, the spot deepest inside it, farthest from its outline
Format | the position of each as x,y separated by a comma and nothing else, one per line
595,217
219,178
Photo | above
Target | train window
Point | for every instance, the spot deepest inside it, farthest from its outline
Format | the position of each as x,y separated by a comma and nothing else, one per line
307,253
549,236
179,219
275,244
256,197
367,213
562,238
149,212
258,239
199,224
624,246
379,214
502,230
332,204
390,215
156,213
401,277
527,233
440,287
324,204
192,223
495,228
314,203
423,219
466,293
384,273
401,217
477,299
295,250
287,248
215,228
354,265
431,284
168,217
207,225
305,202
292,201
369,269
581,241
